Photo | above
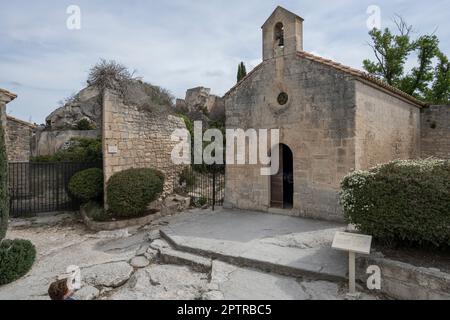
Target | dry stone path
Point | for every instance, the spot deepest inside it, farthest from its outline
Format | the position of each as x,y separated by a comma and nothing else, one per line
139,264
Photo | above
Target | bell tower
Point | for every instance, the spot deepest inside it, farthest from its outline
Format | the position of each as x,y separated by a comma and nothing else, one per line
282,34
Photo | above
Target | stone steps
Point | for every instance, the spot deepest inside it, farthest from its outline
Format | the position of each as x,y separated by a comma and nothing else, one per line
167,254
259,263
197,263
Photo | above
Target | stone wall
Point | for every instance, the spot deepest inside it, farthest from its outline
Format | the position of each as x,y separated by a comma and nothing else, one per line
141,139
317,124
387,128
20,134
435,136
404,281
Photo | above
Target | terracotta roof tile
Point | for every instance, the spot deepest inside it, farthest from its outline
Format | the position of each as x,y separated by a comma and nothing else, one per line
349,70
362,75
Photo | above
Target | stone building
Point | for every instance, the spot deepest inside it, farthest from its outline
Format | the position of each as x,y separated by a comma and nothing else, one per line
19,139
5,98
333,119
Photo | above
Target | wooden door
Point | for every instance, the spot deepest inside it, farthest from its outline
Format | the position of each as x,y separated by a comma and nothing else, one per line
276,185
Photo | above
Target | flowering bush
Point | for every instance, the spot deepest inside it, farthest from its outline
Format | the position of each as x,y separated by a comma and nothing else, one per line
402,201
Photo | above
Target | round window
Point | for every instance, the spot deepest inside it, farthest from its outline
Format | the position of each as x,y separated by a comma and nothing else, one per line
283,98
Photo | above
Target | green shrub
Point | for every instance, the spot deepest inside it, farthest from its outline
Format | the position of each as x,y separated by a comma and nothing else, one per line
96,212
188,176
16,259
4,201
87,185
403,202
130,192
201,202
84,124
80,150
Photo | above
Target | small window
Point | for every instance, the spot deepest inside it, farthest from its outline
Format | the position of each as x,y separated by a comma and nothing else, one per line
279,34
283,98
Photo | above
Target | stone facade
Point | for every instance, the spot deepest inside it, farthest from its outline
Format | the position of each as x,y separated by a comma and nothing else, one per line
5,98
137,138
436,132
387,128
20,135
336,119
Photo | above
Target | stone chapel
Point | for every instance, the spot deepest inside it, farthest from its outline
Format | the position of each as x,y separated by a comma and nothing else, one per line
333,120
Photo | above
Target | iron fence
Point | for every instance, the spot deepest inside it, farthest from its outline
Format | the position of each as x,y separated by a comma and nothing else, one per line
204,184
42,187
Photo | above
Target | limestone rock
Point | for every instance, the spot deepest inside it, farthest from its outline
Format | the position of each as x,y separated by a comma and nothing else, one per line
163,282
111,275
151,255
213,296
87,293
199,101
116,234
142,250
84,105
139,262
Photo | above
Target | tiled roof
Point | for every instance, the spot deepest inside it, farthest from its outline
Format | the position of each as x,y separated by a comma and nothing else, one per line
349,70
8,94
360,74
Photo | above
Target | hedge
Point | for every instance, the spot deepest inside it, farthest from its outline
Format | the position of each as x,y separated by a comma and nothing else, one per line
402,202
87,185
16,259
131,191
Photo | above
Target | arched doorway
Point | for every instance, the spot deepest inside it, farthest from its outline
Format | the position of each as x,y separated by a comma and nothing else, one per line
282,184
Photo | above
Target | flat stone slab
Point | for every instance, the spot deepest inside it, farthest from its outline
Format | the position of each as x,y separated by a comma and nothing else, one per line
281,244
230,282
139,262
86,293
162,282
110,275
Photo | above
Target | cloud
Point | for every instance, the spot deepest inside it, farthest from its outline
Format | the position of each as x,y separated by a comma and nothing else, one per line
176,44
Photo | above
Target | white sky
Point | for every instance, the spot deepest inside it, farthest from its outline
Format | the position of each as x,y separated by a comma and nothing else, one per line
176,44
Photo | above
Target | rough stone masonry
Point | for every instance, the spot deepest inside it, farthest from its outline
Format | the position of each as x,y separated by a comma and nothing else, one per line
137,138
333,119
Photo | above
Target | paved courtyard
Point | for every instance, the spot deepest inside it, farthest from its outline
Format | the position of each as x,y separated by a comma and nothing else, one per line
195,255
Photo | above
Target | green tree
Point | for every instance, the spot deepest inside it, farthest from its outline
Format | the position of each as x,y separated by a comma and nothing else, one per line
242,72
439,93
4,201
392,52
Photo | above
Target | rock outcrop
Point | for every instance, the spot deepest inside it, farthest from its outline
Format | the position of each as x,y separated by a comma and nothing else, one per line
198,102
86,105
81,115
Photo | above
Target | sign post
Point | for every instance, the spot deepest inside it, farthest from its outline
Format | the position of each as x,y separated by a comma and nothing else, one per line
352,243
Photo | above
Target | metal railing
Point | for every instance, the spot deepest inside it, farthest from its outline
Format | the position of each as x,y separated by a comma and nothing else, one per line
42,187
205,185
